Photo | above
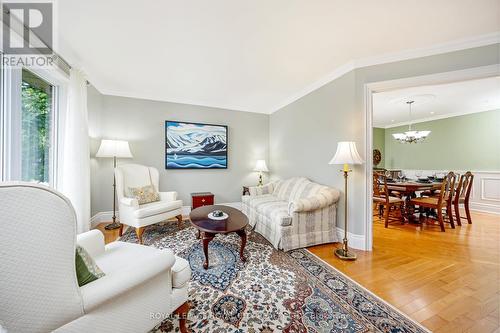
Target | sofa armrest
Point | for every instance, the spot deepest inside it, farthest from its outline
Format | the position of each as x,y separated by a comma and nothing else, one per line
121,281
92,241
168,196
130,202
322,199
260,190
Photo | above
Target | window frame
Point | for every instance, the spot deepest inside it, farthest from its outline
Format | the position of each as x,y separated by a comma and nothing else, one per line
10,100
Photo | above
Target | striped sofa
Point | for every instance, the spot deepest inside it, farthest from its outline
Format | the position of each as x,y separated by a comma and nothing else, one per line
293,213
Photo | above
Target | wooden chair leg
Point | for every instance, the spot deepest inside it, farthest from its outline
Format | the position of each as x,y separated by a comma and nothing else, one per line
450,215
467,212
387,209
402,213
182,313
139,231
457,214
179,220
440,218
120,232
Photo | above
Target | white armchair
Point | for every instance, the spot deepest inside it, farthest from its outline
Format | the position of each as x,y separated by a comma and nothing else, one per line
39,290
140,216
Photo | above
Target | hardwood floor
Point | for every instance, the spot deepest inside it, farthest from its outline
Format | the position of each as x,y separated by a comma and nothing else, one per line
448,281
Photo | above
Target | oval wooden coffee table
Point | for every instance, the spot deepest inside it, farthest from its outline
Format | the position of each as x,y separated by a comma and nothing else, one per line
208,228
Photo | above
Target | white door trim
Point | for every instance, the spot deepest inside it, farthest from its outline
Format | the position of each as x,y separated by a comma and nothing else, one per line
375,87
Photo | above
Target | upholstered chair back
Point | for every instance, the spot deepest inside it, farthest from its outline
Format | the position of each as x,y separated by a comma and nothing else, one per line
134,175
38,286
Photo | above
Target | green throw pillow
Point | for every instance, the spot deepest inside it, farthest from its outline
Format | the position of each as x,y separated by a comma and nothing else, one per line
86,268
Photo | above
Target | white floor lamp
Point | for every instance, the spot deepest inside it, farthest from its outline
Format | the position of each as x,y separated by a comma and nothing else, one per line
346,154
115,149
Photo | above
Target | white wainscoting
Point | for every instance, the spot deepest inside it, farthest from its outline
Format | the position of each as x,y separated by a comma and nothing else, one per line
485,191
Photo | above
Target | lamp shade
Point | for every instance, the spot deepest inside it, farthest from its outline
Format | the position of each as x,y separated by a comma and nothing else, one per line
346,154
114,148
261,166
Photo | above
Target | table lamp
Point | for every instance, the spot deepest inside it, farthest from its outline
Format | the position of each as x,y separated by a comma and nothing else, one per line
346,154
115,149
261,167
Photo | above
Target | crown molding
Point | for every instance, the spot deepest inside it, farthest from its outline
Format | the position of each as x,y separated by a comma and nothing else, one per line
437,117
174,100
338,72
150,97
457,45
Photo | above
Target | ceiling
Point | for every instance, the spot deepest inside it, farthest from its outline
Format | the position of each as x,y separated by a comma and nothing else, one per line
249,55
436,101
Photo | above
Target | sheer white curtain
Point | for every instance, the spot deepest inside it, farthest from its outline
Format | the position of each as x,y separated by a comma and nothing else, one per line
74,176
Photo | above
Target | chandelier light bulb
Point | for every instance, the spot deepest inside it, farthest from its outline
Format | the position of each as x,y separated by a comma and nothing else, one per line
411,136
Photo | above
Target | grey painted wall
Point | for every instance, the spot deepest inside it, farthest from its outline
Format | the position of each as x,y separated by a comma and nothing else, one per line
141,122
304,134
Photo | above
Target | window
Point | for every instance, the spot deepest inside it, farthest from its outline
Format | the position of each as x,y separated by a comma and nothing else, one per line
36,128
28,145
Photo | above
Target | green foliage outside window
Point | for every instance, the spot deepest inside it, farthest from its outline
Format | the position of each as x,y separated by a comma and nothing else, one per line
36,114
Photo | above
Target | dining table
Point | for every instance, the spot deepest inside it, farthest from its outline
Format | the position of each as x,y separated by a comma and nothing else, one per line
408,189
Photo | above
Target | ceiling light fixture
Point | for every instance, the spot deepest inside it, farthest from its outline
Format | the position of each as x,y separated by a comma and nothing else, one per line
411,136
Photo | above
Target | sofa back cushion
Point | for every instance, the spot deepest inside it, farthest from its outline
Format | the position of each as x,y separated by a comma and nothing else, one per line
307,190
288,188
297,188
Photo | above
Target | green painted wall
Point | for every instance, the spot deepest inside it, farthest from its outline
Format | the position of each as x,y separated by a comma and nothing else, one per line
379,143
469,142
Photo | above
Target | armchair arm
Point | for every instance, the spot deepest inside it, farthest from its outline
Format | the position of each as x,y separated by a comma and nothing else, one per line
131,202
168,196
92,241
119,282
322,199
260,190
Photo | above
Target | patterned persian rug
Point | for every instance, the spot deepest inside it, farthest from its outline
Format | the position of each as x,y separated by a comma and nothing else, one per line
273,291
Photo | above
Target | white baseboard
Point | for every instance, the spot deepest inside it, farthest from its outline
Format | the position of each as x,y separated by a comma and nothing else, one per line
485,208
101,217
357,242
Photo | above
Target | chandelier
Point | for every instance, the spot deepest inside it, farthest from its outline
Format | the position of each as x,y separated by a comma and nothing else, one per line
411,136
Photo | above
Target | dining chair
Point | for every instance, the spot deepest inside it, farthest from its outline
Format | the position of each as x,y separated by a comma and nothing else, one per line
430,193
443,201
384,200
462,196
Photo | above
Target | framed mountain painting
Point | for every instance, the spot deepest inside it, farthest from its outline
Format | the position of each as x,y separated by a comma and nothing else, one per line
195,146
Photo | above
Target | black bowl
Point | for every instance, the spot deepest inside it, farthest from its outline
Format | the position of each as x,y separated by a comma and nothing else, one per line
217,213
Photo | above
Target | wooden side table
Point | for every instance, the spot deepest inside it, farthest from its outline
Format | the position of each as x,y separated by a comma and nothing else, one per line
199,199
